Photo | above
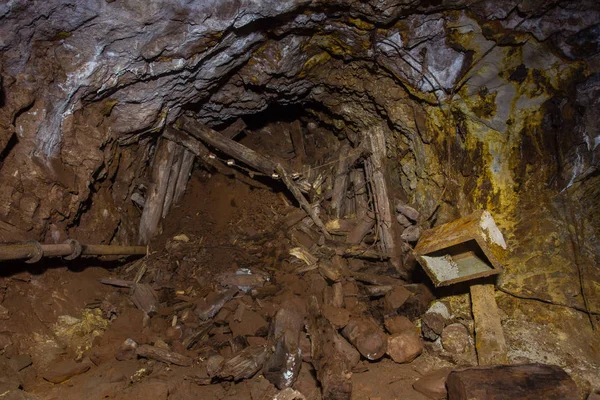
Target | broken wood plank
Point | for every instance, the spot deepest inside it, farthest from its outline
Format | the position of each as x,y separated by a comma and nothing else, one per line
515,382
340,227
163,355
227,146
187,163
283,366
359,188
360,230
205,156
293,188
208,309
157,190
144,298
489,336
375,171
346,158
173,179
297,137
234,129
368,338
243,365
333,368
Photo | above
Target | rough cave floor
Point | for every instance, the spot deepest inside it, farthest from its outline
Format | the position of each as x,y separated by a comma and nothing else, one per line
225,229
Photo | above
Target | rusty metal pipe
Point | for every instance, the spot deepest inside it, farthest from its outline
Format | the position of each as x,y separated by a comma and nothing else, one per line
34,251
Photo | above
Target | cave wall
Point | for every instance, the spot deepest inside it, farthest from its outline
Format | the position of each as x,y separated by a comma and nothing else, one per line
484,105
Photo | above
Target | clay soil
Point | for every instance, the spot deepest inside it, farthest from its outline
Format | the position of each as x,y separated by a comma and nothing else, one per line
60,311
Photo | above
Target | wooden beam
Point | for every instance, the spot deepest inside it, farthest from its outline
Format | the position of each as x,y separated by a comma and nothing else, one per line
234,129
228,146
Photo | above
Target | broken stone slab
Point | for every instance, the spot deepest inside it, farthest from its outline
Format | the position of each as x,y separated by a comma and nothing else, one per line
9,380
63,370
432,325
515,382
404,347
407,211
433,384
20,362
455,338
338,317
289,394
489,335
163,355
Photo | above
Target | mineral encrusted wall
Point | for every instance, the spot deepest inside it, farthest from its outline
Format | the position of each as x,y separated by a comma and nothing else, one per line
483,103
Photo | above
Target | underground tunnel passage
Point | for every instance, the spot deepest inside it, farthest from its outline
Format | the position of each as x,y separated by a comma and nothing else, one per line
299,199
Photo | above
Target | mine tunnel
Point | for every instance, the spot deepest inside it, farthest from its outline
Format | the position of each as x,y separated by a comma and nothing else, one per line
299,200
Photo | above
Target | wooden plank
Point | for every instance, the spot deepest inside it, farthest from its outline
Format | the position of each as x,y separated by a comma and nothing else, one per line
187,163
489,336
173,178
293,188
297,137
163,355
515,382
234,129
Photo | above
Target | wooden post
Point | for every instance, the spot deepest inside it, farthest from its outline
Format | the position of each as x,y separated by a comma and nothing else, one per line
346,158
187,163
157,190
489,336
173,178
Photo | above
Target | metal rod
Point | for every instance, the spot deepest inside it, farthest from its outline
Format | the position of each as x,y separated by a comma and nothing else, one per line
34,251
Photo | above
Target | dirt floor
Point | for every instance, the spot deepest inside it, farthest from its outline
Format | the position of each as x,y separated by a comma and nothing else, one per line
230,257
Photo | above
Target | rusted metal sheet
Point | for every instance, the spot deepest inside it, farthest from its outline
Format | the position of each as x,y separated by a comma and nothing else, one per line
461,250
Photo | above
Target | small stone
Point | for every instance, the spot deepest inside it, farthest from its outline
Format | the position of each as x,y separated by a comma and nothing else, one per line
63,370
395,298
4,314
399,324
404,347
411,234
127,350
338,317
407,211
455,338
181,238
173,333
433,385
432,325
213,364
20,362
402,220
161,344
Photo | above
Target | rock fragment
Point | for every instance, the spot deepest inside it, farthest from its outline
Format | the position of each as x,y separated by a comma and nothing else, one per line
367,337
455,338
395,299
399,324
432,325
127,350
404,347
4,314
433,385
407,211
20,362
411,234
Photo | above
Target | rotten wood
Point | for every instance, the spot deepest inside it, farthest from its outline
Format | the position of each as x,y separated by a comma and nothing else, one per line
341,227
187,163
333,367
144,298
361,252
283,366
515,382
243,365
207,310
293,188
205,156
375,171
163,355
489,335
241,280
227,146
297,138
359,187
157,190
234,129
347,156
173,179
